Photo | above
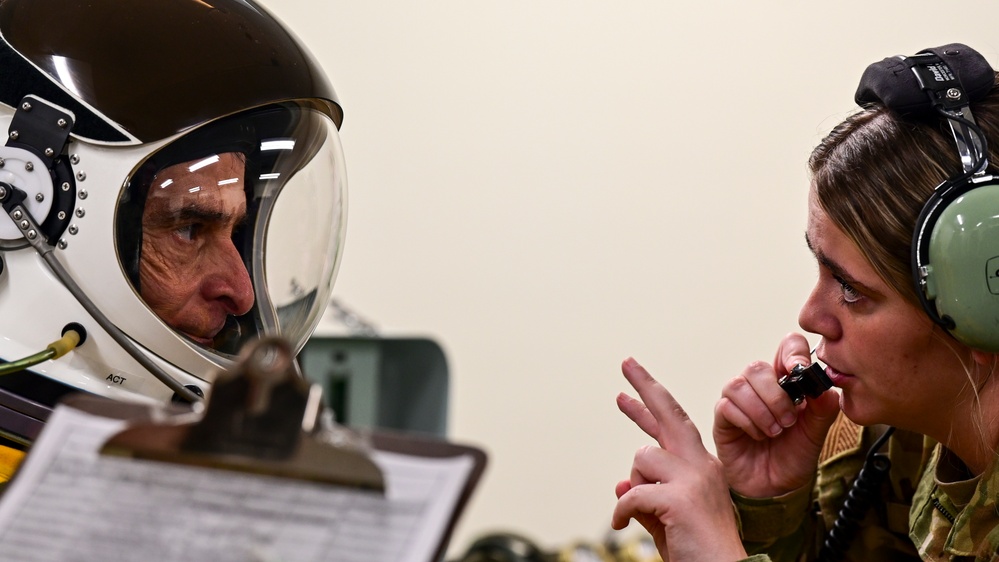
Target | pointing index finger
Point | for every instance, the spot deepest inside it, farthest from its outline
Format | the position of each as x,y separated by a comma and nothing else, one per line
675,431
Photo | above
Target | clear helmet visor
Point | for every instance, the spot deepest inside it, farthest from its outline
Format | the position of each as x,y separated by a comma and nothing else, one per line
235,229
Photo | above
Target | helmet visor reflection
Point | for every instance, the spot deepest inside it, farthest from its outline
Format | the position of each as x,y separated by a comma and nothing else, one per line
235,229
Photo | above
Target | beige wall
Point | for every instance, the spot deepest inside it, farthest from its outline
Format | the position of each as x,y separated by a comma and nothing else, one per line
549,187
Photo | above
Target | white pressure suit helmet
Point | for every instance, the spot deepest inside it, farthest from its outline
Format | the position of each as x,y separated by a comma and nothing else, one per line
172,186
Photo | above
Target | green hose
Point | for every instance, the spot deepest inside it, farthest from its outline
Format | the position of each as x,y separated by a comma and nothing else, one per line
21,364
55,350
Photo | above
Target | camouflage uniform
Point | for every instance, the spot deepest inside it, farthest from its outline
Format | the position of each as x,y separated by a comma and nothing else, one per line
915,517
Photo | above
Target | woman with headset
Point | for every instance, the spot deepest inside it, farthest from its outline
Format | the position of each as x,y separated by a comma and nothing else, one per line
907,308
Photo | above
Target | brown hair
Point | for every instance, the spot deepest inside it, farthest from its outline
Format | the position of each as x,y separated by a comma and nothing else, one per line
874,171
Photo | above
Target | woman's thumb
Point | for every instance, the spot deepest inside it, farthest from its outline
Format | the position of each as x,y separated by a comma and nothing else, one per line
820,413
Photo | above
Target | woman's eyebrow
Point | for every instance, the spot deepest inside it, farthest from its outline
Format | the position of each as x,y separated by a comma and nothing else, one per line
836,269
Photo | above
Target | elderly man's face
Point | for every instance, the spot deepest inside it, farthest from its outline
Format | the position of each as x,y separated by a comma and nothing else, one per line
190,272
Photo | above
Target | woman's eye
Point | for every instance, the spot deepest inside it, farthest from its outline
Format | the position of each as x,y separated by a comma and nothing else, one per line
850,295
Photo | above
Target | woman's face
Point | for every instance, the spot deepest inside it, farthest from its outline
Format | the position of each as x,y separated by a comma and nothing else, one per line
891,362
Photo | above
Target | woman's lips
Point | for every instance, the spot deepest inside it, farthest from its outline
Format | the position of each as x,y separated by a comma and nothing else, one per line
837,378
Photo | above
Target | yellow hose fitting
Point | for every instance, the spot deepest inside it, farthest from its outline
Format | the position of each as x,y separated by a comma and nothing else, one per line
65,344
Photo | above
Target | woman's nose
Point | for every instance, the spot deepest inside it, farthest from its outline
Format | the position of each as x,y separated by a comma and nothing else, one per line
815,315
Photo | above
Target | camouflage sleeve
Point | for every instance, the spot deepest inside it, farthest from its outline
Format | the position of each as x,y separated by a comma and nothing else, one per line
778,526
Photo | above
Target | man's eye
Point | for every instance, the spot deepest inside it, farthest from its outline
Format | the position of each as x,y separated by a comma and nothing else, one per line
187,232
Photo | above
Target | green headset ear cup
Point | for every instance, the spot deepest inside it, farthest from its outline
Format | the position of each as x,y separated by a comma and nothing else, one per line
962,270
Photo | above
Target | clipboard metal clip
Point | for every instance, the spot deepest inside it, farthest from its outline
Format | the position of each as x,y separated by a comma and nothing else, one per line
262,417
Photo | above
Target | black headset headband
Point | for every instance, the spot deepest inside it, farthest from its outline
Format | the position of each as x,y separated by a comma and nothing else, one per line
918,83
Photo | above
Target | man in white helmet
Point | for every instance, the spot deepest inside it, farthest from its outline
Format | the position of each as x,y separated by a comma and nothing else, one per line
191,273
172,186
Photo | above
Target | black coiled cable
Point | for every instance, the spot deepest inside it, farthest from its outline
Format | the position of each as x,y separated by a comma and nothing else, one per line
865,488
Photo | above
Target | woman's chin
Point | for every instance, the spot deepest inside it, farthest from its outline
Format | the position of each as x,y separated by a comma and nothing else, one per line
856,412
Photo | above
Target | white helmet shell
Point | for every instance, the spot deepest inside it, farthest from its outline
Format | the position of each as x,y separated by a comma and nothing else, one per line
146,91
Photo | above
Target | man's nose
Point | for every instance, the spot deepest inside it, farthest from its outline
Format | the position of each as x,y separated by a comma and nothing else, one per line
228,282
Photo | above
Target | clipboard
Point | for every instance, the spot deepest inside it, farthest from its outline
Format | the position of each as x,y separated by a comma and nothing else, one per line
261,426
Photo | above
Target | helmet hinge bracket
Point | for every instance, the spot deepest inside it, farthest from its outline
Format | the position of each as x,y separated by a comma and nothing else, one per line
37,138
41,127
